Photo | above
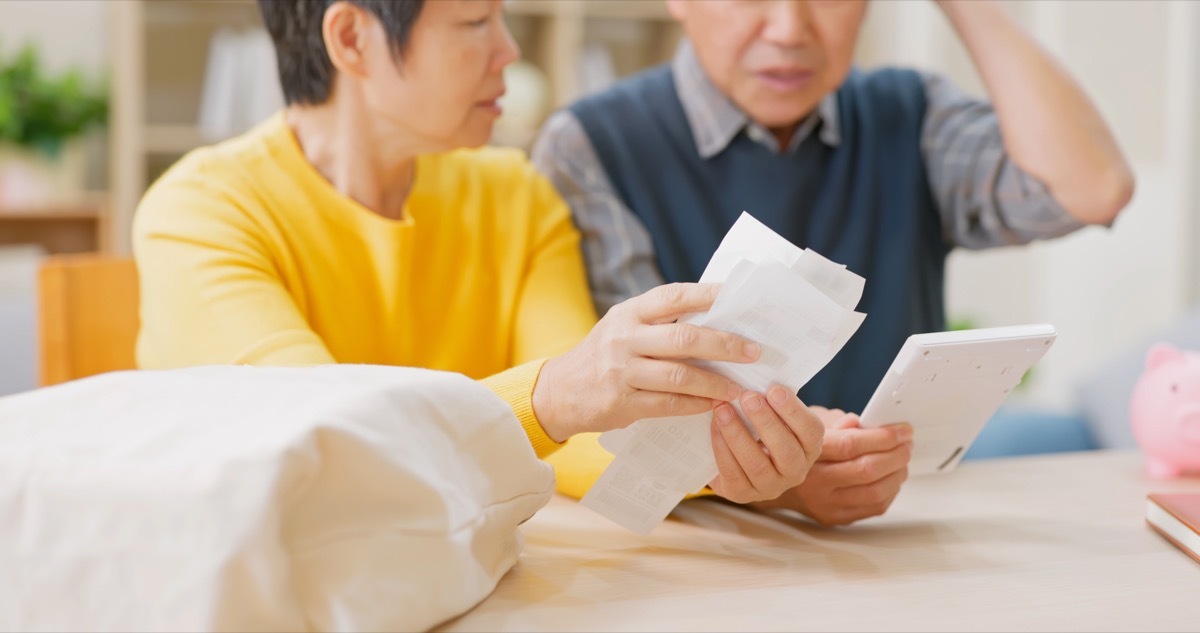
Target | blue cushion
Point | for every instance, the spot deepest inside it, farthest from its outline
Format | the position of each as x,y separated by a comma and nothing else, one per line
1017,431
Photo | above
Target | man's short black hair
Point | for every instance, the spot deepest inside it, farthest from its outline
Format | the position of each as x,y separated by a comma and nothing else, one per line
305,72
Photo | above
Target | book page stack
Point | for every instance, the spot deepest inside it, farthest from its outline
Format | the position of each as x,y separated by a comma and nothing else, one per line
1177,518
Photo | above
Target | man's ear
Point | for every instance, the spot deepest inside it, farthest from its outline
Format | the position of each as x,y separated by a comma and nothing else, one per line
344,29
677,8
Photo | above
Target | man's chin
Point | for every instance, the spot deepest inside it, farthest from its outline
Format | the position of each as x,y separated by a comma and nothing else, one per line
781,115
776,121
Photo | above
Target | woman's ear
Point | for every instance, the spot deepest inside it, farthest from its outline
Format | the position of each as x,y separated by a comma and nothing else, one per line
345,31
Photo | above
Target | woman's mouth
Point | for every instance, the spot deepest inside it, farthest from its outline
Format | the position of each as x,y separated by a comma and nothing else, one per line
494,105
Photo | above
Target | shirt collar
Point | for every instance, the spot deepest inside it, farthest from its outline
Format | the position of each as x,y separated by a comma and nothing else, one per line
715,120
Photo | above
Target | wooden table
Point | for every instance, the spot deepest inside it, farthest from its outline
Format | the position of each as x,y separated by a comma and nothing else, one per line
1037,543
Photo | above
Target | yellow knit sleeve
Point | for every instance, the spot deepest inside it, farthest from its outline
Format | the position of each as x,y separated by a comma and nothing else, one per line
578,464
555,310
555,313
209,291
515,386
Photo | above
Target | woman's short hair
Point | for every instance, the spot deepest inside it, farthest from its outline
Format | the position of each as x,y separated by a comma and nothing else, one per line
305,72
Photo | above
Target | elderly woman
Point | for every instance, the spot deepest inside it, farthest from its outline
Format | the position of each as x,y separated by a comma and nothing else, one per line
359,225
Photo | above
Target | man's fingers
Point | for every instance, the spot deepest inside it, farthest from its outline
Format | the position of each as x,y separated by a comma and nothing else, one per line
847,421
828,416
842,444
855,503
673,377
873,494
868,468
684,340
671,301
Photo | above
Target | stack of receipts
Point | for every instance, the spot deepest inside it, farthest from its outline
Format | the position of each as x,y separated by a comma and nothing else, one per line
797,305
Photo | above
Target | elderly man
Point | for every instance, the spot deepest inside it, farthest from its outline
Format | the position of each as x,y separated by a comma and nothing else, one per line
884,171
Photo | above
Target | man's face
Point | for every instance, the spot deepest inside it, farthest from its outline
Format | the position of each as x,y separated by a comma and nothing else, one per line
776,59
443,89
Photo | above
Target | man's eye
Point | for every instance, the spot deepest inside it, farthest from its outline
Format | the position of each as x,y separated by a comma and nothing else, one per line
480,22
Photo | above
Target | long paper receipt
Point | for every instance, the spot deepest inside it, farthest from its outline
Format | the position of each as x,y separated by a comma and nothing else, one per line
797,305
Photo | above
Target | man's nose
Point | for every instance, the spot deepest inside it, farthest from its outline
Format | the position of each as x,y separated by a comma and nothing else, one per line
788,23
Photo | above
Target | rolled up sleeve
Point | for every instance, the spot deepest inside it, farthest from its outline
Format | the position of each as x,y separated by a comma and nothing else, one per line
983,197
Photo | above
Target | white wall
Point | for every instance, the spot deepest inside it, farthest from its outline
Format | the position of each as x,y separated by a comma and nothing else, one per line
1104,289
1194,176
67,32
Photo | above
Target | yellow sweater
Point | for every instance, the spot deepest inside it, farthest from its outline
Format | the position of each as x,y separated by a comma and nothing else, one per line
247,255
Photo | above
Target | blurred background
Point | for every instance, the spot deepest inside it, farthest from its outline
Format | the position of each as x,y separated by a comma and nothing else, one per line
122,88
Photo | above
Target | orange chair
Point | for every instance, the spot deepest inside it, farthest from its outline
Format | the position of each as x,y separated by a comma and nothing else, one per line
87,316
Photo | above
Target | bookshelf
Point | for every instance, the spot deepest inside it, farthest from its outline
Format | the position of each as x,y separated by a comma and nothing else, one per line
160,52
73,225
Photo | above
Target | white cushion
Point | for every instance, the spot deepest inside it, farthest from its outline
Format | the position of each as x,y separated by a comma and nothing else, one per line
235,498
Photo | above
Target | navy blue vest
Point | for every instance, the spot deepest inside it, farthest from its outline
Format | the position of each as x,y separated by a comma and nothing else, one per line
864,203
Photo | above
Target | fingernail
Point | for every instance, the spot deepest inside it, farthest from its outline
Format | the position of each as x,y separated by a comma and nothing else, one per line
904,434
751,351
752,402
724,415
734,392
777,395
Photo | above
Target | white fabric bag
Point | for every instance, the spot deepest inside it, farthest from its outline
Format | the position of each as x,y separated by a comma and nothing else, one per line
343,497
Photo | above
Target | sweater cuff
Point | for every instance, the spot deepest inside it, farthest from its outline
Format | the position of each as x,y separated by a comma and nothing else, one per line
515,386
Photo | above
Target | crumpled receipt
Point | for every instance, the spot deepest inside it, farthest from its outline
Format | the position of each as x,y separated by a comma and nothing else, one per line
797,305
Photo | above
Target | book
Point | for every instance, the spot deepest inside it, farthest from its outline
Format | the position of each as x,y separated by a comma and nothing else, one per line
1177,518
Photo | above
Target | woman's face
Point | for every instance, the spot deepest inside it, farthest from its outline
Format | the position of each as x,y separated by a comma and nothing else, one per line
442,90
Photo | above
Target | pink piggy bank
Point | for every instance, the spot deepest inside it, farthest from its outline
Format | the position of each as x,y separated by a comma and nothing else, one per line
1165,412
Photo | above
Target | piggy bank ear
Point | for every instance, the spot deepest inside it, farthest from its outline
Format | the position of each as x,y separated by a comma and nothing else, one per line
1162,354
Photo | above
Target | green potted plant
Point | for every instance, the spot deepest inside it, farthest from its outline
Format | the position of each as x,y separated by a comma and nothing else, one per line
41,118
